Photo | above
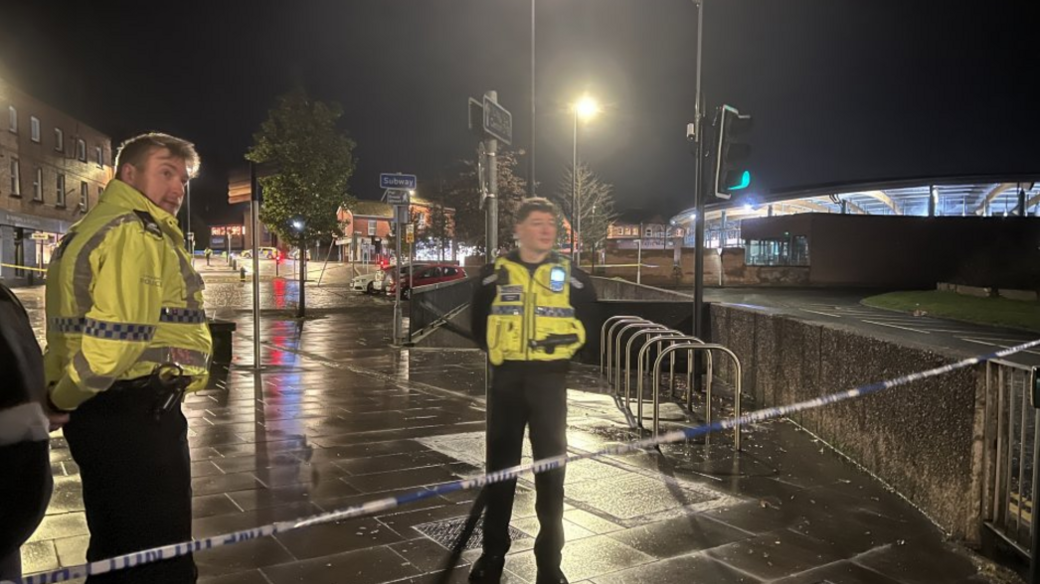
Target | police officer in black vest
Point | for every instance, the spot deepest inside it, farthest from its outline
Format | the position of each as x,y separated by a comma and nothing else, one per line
530,313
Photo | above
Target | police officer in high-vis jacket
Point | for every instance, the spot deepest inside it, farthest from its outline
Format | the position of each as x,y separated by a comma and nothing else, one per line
126,338
530,313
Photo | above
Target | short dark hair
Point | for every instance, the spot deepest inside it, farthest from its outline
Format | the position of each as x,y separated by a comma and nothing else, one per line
136,151
530,205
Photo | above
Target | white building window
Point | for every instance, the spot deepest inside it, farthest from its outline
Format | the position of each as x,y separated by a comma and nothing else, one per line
99,155
38,185
16,178
59,140
371,227
81,150
61,190
84,193
34,129
13,115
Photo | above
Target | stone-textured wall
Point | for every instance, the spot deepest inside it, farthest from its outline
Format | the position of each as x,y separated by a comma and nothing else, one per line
919,438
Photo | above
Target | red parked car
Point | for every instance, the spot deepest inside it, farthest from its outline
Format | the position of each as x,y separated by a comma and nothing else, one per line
426,275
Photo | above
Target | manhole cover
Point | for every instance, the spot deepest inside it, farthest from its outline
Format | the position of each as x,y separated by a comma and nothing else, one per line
447,531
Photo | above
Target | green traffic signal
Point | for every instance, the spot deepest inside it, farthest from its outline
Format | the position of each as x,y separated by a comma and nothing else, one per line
745,182
732,152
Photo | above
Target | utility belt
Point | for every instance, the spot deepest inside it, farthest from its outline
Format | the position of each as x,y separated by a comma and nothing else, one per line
163,389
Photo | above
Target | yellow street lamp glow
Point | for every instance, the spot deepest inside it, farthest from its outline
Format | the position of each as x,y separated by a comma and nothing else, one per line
586,107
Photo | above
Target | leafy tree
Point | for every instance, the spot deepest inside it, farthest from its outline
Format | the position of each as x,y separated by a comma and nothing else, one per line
463,193
308,163
433,228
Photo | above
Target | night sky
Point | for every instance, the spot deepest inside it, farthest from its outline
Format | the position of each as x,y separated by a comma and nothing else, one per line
841,90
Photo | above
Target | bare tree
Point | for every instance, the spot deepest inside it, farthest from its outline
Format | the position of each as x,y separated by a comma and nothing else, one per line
596,205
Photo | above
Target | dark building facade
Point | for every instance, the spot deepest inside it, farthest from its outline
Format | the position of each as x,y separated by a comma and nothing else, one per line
912,252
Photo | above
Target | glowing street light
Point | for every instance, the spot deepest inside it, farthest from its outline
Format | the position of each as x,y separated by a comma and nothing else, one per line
585,108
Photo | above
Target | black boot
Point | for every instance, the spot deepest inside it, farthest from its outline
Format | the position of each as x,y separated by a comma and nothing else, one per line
487,570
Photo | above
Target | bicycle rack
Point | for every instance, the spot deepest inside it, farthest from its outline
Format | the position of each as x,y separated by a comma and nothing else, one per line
628,358
617,346
608,338
604,342
738,374
689,372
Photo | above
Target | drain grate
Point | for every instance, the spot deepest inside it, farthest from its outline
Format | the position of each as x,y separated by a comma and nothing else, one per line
447,531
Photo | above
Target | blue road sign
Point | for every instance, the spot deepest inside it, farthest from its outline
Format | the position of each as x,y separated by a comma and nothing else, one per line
401,182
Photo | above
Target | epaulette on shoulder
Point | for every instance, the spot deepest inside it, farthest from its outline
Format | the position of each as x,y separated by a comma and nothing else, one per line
150,224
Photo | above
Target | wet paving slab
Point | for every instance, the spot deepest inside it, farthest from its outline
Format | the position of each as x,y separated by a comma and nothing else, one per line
336,417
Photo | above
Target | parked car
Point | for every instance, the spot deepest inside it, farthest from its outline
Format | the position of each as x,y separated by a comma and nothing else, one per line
265,253
374,282
430,274
363,282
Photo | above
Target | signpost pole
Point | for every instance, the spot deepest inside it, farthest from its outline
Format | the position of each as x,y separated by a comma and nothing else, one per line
492,199
396,192
398,273
254,213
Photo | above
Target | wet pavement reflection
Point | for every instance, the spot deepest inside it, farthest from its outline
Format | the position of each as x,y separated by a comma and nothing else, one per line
336,417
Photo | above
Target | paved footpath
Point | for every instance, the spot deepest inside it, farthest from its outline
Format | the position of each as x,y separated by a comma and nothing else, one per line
336,417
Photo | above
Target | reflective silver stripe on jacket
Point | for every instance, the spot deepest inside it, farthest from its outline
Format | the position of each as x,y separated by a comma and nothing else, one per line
176,355
554,311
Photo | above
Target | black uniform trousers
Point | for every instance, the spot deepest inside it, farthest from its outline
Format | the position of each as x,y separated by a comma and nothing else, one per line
136,475
522,393
25,491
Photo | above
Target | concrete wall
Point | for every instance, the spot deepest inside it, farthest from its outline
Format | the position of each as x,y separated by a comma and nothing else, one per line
919,438
614,289
731,263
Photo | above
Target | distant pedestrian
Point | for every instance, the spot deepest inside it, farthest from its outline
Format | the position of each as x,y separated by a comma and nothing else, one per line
208,253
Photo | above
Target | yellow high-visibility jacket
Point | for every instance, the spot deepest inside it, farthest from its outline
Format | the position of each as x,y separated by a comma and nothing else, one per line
122,298
529,309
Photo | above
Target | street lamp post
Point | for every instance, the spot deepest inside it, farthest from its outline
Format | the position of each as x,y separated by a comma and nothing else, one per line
301,307
531,182
585,108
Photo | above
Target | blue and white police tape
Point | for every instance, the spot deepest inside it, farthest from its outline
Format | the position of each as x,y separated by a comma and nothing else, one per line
538,466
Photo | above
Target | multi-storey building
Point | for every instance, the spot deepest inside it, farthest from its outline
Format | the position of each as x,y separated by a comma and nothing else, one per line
52,170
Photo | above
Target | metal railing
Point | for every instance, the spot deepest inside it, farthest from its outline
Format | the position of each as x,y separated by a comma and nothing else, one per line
617,346
1013,426
737,374
673,340
605,359
659,329
610,365
431,304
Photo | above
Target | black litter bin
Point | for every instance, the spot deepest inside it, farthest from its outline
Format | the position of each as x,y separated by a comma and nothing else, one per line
221,331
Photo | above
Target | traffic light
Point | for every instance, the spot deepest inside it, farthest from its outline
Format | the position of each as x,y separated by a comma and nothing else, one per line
731,173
